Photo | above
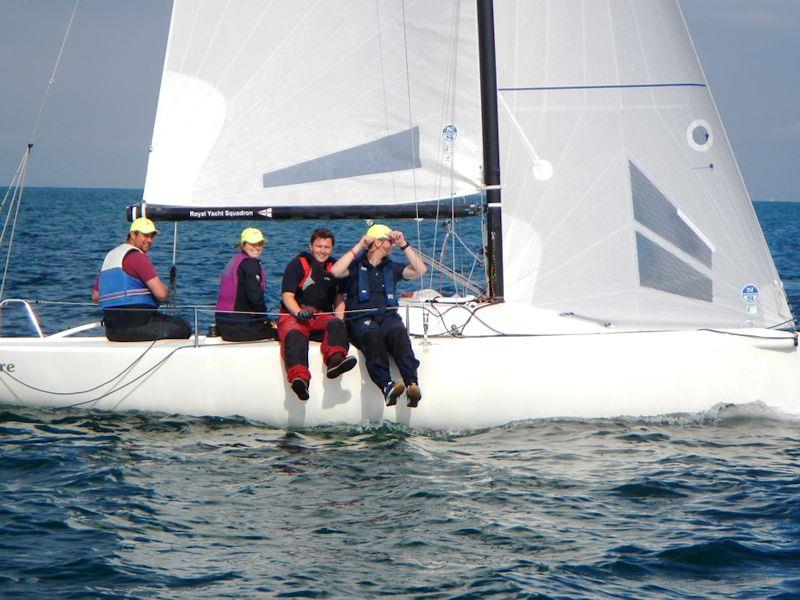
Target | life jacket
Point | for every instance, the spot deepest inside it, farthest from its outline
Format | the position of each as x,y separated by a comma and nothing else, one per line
389,285
229,283
315,286
117,288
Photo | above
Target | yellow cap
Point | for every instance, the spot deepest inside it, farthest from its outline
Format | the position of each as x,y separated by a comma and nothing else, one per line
143,225
379,232
251,235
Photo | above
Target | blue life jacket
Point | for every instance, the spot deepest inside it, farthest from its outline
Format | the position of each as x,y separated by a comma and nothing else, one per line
117,288
389,285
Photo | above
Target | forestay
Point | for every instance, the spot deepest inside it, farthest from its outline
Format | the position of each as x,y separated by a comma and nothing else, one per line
306,103
645,221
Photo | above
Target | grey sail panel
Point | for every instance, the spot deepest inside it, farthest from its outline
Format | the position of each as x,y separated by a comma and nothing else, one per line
396,152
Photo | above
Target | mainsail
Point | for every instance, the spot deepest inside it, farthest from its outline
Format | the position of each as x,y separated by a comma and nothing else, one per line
317,103
644,221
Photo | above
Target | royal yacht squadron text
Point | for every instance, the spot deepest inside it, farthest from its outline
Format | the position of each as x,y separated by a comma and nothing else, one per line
227,214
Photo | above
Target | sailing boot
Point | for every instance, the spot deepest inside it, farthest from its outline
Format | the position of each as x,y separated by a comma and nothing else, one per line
339,364
413,395
392,391
300,387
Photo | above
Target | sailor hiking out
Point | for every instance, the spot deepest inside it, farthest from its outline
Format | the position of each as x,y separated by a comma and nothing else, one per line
312,308
370,286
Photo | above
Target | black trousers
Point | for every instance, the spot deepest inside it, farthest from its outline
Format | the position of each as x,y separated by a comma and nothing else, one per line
144,326
380,336
249,331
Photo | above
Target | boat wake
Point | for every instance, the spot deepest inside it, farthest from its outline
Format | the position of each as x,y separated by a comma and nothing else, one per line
719,415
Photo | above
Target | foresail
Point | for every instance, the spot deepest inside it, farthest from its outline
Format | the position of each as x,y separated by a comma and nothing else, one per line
622,200
317,103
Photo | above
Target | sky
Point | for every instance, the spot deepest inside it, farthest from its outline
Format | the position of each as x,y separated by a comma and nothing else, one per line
96,128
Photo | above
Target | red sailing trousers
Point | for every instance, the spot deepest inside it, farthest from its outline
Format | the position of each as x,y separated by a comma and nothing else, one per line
294,335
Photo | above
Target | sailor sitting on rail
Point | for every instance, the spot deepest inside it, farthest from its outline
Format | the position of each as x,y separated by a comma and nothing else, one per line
241,308
371,302
129,292
312,307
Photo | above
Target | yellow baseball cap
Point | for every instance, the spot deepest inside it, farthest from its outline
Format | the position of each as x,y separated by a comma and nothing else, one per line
379,232
251,235
143,225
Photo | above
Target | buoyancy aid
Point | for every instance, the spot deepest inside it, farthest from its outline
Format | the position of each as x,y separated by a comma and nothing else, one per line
117,288
229,283
389,285
315,287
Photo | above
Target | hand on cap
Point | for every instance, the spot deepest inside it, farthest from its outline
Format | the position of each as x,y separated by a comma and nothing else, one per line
366,241
398,238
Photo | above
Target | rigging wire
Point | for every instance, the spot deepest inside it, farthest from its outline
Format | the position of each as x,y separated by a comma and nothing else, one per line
91,389
14,205
53,74
18,181
410,126
173,271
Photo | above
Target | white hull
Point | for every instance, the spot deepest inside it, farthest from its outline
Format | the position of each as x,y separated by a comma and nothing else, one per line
466,382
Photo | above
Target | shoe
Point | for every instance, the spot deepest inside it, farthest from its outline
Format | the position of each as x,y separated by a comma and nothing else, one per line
392,391
300,387
413,395
339,364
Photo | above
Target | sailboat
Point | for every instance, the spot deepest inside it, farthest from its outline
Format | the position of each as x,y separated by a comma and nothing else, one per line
626,273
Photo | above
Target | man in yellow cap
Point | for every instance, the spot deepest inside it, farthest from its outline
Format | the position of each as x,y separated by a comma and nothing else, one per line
129,291
370,284
241,311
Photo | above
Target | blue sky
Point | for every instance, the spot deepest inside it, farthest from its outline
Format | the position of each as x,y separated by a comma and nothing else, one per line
97,126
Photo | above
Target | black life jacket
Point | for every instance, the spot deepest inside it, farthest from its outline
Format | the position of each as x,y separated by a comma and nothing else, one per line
317,288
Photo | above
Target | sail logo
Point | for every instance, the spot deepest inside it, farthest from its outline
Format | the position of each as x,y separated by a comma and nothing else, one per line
449,134
750,294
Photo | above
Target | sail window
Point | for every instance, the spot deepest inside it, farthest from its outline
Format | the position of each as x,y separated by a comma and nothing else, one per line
653,210
699,135
661,270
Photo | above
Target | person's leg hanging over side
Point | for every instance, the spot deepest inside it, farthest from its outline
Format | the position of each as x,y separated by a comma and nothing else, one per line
335,346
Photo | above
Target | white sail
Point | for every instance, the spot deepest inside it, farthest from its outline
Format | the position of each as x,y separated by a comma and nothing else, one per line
334,102
644,221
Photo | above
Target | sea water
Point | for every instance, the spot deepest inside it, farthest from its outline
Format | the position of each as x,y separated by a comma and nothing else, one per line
162,506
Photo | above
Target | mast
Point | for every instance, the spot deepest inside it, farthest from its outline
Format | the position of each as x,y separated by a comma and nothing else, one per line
491,150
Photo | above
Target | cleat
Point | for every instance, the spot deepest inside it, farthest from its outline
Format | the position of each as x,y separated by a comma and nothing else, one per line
392,391
340,364
413,395
300,387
